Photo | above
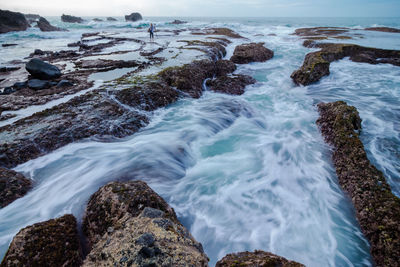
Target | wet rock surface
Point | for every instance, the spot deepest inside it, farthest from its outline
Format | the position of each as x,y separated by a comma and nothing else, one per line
12,21
133,17
71,19
383,29
128,224
217,31
51,243
45,26
255,259
233,85
13,185
42,70
253,52
377,209
316,64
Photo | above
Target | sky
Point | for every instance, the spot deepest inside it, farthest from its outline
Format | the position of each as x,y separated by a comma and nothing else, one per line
209,8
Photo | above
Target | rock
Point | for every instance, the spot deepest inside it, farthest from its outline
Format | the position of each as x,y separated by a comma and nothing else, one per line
13,185
224,67
51,243
133,17
42,70
383,29
177,21
32,17
233,85
36,84
97,20
255,259
321,31
64,83
8,69
45,26
253,52
377,208
8,45
105,64
12,21
38,52
316,64
219,31
7,90
111,19
20,85
71,19
146,229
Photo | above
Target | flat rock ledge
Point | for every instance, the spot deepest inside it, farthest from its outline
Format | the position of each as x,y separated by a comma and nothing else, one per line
51,243
252,52
255,259
316,64
128,224
377,209
13,185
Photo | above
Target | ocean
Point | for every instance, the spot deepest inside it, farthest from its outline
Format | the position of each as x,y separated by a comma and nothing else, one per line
242,172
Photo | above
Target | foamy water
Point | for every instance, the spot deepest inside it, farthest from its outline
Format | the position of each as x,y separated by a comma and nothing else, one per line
242,172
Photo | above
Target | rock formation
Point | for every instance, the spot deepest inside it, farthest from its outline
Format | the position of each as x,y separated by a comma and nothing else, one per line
12,21
133,17
13,185
253,52
377,209
42,70
45,26
111,19
71,19
383,29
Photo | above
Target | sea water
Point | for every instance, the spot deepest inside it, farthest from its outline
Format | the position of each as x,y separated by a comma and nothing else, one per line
242,172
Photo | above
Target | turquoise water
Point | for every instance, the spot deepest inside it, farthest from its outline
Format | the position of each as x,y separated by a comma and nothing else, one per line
242,172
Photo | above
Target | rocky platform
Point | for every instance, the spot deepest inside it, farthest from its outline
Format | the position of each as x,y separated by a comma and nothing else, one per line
377,209
13,185
316,64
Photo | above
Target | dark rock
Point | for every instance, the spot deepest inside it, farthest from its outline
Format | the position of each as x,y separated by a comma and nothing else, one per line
36,84
38,52
383,29
71,19
51,243
7,90
219,31
152,213
177,21
45,26
133,17
255,259
105,64
42,70
20,85
97,20
316,64
321,31
253,52
137,240
77,44
224,67
64,83
32,17
233,85
90,34
377,208
12,21
13,185
8,69
8,45
111,19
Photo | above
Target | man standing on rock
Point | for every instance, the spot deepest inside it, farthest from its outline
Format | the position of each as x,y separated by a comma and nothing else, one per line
151,31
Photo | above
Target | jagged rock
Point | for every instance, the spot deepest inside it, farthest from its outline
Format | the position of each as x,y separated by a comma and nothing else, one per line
51,243
36,84
377,208
13,185
12,21
233,85
144,229
316,64
111,19
253,52
133,17
383,29
255,259
45,26
177,21
42,70
71,19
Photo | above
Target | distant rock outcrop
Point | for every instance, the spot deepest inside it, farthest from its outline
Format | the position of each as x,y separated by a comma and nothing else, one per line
97,20
45,26
255,259
12,21
253,52
383,29
13,185
42,70
128,224
71,19
133,17
111,19
51,243
177,21
32,18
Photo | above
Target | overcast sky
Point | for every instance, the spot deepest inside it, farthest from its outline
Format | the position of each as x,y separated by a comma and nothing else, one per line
213,8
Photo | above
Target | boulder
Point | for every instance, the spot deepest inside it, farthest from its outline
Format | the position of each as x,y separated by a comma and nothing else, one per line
255,259
20,85
133,17
97,20
64,83
128,224
51,243
177,21
71,19
233,85
12,21
13,185
45,26
36,84
42,70
111,19
253,52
